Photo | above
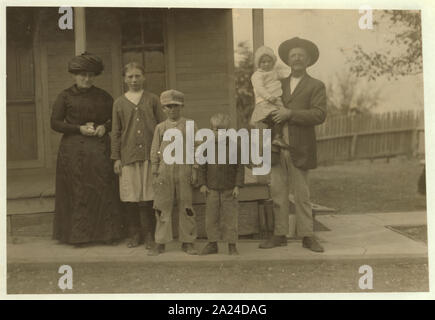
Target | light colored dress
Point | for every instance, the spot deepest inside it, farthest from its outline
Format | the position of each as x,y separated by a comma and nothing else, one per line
136,183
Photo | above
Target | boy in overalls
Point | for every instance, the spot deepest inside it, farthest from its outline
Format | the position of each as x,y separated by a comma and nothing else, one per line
172,182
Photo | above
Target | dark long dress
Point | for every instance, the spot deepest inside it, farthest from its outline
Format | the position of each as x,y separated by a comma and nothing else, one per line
87,206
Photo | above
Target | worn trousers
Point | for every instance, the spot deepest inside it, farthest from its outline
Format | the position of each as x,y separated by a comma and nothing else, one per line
221,211
187,232
174,188
285,177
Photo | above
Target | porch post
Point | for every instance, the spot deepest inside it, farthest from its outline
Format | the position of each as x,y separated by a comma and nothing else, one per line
257,28
80,30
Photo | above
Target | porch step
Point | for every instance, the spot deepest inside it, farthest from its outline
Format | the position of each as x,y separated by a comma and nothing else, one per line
30,209
30,205
33,215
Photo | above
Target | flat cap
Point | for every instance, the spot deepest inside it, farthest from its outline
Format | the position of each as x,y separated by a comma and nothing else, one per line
172,97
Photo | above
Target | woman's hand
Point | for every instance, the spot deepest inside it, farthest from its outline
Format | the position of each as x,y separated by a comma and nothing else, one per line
100,131
236,192
117,167
204,190
272,99
87,131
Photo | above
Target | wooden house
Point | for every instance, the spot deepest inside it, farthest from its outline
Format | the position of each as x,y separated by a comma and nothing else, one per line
190,50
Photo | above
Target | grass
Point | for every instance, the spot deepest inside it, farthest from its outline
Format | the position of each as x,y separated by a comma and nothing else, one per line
364,186
241,277
418,233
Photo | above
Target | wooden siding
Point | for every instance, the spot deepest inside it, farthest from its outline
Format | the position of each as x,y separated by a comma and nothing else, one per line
198,58
201,62
59,49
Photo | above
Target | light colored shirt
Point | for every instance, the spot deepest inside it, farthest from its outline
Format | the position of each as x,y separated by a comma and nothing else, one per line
134,96
293,83
267,84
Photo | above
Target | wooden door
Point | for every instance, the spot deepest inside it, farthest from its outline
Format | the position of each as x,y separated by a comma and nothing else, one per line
22,133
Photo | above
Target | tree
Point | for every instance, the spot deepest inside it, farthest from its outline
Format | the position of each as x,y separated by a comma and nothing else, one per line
406,56
245,100
346,94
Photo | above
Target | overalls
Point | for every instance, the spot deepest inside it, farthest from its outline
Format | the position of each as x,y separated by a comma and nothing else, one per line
173,186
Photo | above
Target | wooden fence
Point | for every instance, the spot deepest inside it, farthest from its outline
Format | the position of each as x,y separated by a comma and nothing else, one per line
370,136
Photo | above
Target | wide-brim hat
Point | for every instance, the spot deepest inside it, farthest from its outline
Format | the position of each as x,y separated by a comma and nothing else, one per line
86,62
309,46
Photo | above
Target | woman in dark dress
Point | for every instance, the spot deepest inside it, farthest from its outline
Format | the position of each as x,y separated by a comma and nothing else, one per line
87,202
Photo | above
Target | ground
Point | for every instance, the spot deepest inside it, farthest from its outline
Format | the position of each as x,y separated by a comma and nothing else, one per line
351,188
365,186
226,277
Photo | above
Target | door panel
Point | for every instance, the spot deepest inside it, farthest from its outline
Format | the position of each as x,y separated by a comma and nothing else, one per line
21,132
22,138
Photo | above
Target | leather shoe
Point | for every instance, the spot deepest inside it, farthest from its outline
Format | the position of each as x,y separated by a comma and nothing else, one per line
210,248
149,241
274,241
189,248
135,241
157,249
312,244
232,249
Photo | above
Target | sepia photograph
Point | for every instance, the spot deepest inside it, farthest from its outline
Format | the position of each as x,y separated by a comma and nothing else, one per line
156,150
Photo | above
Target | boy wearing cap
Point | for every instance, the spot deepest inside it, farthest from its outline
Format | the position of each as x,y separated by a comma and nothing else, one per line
172,182
267,89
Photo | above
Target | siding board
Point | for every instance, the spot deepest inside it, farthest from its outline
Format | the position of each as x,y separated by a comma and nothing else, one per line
201,64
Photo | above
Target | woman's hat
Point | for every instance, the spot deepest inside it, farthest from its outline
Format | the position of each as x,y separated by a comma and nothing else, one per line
171,97
296,42
86,62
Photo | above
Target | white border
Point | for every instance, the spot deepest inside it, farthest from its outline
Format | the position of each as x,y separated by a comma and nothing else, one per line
428,25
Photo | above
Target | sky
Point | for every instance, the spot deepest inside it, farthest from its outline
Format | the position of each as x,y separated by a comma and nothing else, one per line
332,31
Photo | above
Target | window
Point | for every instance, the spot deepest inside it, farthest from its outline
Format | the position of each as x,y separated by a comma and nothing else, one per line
143,41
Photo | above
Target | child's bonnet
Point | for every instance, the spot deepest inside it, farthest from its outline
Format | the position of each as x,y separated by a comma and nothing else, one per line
261,51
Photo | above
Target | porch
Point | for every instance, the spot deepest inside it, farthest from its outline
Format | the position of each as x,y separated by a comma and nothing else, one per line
31,195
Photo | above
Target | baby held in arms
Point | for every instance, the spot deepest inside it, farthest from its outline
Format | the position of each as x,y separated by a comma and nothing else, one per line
268,92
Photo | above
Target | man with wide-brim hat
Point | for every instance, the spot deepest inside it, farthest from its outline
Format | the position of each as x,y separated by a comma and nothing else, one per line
304,100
